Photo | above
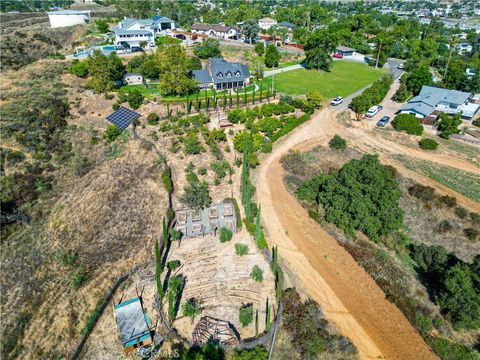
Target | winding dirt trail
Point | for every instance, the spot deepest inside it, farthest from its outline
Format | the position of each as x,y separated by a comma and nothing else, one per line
349,297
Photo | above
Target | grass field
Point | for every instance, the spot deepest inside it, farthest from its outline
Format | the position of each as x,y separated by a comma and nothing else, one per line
343,79
465,183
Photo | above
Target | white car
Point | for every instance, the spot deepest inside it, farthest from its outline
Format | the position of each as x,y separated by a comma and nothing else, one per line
400,67
337,101
373,111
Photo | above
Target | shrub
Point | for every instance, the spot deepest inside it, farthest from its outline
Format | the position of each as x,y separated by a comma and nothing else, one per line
428,144
241,249
450,201
257,353
337,143
408,123
461,212
315,98
112,132
225,234
257,274
79,277
443,227
424,193
475,218
471,234
202,170
246,314
152,118
173,264
167,180
135,98
115,106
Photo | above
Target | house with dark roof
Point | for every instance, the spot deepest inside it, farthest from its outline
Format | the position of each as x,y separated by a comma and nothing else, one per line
345,51
221,74
218,31
132,32
133,324
287,25
432,101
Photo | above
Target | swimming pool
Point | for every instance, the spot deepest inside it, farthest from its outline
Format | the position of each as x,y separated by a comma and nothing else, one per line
105,49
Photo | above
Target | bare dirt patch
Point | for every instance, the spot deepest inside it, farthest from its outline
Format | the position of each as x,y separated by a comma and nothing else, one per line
220,279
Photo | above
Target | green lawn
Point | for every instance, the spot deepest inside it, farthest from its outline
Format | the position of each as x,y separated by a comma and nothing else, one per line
343,79
465,183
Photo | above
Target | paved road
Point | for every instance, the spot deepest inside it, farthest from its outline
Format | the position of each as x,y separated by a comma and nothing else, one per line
286,68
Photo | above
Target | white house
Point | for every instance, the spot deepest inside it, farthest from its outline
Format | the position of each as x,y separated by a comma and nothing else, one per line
219,31
132,32
133,78
266,23
64,18
433,100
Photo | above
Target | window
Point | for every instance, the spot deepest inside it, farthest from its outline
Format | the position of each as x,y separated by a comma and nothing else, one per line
219,75
237,74
229,74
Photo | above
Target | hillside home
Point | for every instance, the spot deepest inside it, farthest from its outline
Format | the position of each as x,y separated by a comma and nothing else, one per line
133,79
432,101
219,31
220,74
345,51
132,32
266,23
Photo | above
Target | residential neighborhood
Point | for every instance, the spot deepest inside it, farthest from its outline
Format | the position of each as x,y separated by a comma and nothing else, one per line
247,179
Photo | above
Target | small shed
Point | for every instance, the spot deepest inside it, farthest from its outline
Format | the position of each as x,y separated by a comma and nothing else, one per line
345,51
133,324
134,79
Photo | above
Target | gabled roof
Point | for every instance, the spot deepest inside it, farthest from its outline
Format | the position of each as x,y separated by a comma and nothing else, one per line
430,97
286,24
345,48
267,19
434,95
217,28
217,69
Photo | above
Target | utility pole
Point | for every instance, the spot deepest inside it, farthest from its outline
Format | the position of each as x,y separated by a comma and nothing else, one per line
378,55
452,44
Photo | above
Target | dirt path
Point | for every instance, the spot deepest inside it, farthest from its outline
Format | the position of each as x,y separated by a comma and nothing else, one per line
347,294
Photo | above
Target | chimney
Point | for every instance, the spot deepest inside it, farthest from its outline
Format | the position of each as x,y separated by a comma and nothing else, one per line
209,67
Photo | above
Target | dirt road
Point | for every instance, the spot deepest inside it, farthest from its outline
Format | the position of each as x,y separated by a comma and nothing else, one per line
347,294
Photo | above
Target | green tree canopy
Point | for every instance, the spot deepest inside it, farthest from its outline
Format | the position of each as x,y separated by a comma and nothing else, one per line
272,56
174,64
362,195
208,49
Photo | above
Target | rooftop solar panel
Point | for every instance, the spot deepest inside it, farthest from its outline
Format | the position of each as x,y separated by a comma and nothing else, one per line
122,117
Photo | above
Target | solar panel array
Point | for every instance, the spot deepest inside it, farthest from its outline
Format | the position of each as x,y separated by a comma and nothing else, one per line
123,117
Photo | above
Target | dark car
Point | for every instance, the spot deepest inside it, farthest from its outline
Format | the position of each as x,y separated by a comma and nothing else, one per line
135,49
383,121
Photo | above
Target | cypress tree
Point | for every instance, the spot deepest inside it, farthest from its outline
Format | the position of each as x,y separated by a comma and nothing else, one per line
187,103
256,323
245,96
258,225
275,258
267,318
248,202
279,284
253,100
261,91
158,273
164,232
238,98
244,171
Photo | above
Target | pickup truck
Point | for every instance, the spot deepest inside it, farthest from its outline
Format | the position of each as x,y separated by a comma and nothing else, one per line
373,111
